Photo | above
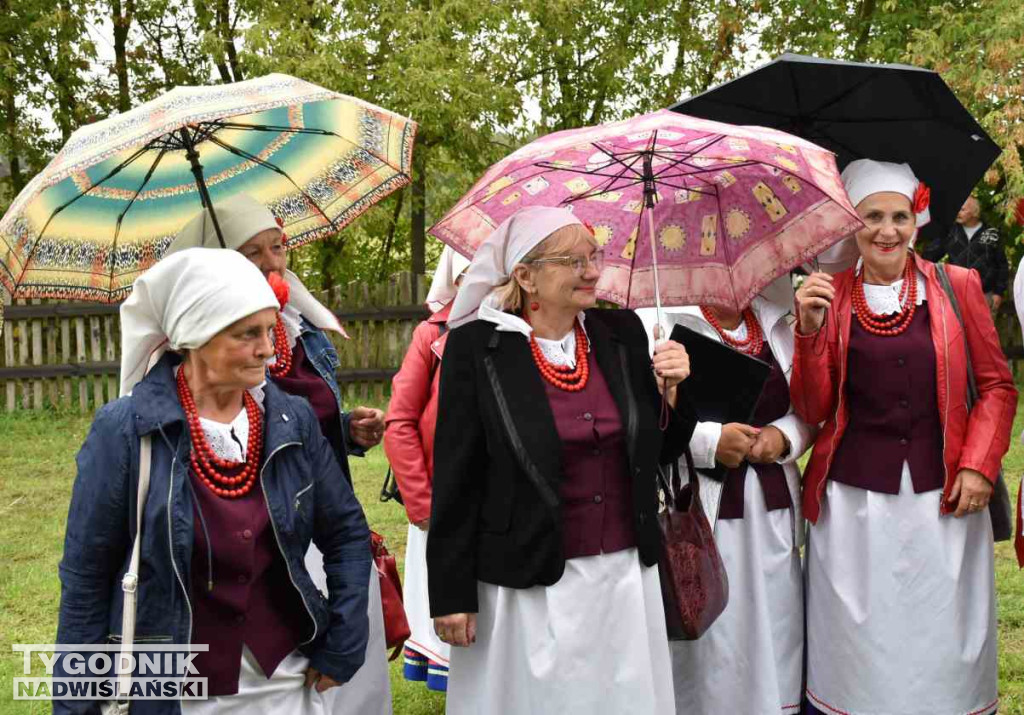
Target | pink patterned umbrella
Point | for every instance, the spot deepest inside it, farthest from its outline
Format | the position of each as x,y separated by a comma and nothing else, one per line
730,208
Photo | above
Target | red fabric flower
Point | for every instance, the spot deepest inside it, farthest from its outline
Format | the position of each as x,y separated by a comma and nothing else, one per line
281,291
922,197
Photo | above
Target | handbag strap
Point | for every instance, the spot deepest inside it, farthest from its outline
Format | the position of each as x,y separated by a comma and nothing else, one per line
130,581
947,286
673,489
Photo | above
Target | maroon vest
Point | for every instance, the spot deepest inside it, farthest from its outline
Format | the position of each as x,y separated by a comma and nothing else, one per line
893,408
247,596
597,504
772,405
303,380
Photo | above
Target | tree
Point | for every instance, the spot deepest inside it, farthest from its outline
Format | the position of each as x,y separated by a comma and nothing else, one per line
858,30
979,51
428,60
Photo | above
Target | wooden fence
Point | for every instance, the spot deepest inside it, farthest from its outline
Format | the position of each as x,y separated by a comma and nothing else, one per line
67,355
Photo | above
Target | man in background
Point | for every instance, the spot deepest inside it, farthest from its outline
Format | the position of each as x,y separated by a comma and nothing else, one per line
973,244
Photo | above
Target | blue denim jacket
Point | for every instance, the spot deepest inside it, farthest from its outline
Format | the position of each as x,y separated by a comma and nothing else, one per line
321,353
306,499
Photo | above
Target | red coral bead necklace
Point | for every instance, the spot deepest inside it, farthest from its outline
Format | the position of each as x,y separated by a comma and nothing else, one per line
752,344
562,376
206,464
887,325
283,362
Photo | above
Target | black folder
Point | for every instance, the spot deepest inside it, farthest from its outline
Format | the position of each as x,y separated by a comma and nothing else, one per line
724,384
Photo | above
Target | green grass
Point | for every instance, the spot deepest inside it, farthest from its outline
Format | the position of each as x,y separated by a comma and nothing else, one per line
36,471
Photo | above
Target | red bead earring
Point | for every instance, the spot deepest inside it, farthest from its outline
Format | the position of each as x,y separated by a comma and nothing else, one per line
534,307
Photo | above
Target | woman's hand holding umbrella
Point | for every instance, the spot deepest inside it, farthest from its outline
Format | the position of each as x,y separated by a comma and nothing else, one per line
812,298
671,366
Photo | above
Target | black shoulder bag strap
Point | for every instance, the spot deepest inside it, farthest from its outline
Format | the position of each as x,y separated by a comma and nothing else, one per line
999,507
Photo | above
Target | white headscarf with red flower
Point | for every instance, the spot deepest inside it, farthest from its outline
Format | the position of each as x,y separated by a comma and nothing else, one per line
864,177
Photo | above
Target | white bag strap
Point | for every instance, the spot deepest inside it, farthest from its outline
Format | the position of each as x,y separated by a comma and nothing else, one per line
130,582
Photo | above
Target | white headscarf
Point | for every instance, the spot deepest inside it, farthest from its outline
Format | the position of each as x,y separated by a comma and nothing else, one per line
494,260
864,177
185,300
241,217
443,289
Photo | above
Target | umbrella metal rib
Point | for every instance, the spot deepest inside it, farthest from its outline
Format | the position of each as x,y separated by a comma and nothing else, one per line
131,202
272,167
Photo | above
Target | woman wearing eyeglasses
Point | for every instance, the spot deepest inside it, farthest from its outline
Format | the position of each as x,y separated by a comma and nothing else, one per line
543,536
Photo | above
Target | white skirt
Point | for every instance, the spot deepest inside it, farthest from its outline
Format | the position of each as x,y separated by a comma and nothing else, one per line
369,690
901,610
594,644
417,600
751,659
284,692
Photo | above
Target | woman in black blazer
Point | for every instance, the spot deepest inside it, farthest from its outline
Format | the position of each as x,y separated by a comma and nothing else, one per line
543,534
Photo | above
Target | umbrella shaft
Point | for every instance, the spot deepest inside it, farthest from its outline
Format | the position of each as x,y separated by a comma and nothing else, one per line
654,267
197,171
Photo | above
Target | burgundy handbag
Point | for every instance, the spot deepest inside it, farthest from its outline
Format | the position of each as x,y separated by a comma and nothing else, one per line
694,585
396,625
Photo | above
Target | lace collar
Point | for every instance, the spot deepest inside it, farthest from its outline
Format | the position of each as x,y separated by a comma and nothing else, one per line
885,300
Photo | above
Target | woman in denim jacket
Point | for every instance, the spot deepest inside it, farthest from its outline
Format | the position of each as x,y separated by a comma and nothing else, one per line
241,481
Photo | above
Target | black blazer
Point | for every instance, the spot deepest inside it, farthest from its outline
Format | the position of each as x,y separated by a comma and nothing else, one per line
495,513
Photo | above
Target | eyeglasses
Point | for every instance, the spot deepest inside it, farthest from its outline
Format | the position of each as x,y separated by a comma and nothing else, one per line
577,263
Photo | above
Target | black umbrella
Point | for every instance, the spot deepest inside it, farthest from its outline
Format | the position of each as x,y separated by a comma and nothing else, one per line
890,112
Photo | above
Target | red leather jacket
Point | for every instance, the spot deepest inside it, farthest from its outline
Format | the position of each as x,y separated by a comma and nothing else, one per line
976,440
412,416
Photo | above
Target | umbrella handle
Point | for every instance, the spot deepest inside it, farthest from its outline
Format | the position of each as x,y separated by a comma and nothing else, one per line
654,266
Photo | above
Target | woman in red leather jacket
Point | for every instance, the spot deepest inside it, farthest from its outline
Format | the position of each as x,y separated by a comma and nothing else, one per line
409,445
901,611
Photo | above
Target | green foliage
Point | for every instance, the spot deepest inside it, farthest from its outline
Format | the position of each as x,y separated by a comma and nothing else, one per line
980,52
480,78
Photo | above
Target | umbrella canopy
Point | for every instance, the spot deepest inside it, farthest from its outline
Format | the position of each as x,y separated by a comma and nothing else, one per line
729,208
887,112
111,201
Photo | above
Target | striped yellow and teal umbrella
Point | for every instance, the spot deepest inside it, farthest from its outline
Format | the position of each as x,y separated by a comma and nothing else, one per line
110,202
